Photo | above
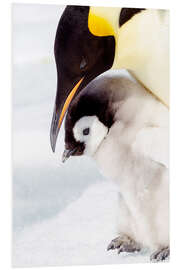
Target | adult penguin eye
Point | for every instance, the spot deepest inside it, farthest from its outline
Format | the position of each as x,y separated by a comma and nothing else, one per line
86,131
83,63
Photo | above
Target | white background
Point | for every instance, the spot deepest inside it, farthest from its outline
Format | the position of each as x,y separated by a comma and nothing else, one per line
5,114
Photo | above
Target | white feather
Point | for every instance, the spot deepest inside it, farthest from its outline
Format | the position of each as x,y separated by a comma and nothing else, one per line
98,131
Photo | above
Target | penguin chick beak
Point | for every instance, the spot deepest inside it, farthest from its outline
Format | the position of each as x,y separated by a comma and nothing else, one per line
67,153
59,114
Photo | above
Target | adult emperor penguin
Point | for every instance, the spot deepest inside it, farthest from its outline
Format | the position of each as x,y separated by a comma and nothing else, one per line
91,40
125,130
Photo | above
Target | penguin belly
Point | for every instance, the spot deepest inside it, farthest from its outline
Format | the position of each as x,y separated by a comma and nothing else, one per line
143,207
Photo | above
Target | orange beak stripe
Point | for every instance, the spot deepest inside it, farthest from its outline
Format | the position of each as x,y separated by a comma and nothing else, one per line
68,101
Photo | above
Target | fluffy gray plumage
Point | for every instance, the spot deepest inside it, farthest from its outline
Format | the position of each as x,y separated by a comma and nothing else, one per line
133,153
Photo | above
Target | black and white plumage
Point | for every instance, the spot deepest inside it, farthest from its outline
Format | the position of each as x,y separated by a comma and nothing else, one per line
125,130
91,40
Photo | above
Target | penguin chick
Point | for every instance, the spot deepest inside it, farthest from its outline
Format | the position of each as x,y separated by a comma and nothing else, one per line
125,130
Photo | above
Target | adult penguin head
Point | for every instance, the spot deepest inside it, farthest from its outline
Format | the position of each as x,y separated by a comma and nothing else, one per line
80,57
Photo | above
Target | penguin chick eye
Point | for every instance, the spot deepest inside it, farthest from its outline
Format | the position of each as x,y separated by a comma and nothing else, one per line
86,131
83,63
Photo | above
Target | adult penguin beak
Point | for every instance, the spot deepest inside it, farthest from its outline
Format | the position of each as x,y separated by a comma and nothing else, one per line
59,113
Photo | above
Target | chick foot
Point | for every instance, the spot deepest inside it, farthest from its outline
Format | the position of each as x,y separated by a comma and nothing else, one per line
160,255
124,244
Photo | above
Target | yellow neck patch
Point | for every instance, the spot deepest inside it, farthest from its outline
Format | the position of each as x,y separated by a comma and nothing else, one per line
99,26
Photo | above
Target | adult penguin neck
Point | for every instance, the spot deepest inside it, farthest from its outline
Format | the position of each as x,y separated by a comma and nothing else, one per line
104,21
142,48
130,39
141,45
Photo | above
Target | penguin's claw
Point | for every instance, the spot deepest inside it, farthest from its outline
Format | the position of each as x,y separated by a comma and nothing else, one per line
124,244
160,255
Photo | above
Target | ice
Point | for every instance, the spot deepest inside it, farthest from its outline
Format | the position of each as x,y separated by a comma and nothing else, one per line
78,235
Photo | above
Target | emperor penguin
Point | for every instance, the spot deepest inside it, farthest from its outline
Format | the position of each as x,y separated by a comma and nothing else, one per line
124,129
92,40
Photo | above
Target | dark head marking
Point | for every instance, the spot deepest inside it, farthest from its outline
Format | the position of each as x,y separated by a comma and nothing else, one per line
127,13
78,54
80,57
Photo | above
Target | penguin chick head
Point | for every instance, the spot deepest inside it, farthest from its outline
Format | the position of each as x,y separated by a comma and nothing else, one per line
90,131
88,120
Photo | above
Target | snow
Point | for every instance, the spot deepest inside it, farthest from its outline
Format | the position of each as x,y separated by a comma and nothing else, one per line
78,235
63,214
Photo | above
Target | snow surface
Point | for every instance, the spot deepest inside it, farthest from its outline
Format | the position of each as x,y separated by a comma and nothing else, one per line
63,214
78,235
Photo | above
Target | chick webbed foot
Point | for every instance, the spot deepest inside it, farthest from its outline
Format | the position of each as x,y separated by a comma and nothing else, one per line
124,244
160,255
